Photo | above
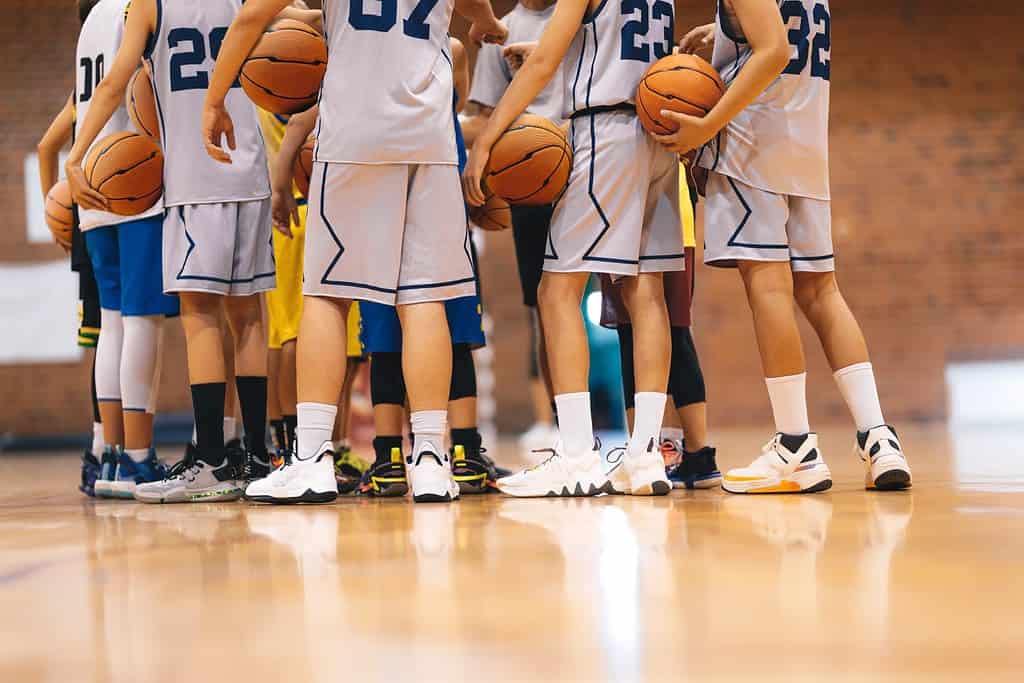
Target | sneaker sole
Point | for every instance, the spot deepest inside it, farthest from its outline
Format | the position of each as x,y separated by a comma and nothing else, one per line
433,498
308,496
785,486
655,488
691,484
893,480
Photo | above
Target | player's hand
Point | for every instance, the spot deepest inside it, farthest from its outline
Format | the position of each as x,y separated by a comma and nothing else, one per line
698,40
217,125
81,191
472,177
516,54
495,32
285,211
693,132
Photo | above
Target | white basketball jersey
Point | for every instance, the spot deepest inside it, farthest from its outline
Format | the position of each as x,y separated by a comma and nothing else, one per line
387,95
182,54
97,46
613,49
780,142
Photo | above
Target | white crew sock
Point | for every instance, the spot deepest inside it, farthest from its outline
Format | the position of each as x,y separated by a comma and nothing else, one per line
137,454
648,412
575,424
789,403
429,428
139,360
230,429
315,426
857,385
673,433
98,445
108,357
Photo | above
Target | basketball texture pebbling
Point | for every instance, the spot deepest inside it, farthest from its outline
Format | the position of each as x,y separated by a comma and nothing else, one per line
530,162
682,83
127,168
285,70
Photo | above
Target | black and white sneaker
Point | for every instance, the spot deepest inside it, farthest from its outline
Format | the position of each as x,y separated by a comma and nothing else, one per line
886,467
430,475
298,480
789,463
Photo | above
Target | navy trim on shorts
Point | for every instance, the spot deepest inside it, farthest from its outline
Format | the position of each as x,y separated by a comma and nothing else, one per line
210,278
743,223
133,410
813,258
662,257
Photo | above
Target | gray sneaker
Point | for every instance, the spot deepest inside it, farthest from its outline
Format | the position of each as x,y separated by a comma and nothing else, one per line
193,480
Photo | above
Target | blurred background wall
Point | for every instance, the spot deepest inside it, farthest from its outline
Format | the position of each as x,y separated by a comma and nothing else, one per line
927,133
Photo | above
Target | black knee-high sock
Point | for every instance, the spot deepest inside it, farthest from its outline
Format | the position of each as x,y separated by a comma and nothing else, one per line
469,439
208,406
252,398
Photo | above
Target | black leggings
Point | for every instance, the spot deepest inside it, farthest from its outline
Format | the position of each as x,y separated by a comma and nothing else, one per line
387,382
685,378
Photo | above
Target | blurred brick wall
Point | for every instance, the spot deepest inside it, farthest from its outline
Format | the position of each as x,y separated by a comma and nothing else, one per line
926,130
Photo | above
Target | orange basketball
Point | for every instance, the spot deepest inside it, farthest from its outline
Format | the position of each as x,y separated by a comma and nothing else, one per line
127,169
495,214
303,169
284,72
141,104
683,83
60,215
530,162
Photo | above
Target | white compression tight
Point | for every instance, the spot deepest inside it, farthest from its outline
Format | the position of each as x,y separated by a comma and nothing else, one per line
108,357
140,362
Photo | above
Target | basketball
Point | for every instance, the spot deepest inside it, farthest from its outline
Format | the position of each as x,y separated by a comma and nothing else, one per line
141,104
127,169
530,162
284,72
495,215
60,215
683,83
303,168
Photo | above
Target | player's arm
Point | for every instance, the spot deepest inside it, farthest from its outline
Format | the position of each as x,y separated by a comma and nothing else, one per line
460,69
762,24
48,150
107,97
485,28
249,24
531,79
285,209
312,17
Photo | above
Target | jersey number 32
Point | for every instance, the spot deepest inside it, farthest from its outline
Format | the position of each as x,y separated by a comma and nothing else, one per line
808,48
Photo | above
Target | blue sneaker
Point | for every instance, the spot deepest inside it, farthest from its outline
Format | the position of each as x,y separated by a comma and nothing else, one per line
108,472
695,470
90,473
131,473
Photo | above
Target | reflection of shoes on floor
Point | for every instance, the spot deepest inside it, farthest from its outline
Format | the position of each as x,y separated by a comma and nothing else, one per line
538,437
348,470
309,533
800,521
886,467
577,474
889,518
385,479
696,470
90,473
787,464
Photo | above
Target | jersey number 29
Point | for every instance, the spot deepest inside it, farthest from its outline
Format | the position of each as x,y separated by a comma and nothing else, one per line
415,26
807,47
194,57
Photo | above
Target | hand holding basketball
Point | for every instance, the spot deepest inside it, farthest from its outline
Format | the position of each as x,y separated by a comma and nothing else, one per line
691,134
476,166
698,39
81,192
217,125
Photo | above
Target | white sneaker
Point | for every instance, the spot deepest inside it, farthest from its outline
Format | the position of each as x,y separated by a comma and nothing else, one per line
193,481
298,481
787,464
536,441
430,475
637,473
886,467
560,475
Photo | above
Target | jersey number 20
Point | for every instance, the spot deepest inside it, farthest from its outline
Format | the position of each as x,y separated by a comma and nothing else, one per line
415,26
806,47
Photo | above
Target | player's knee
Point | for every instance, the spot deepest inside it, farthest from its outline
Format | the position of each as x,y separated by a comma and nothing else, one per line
463,373
810,289
766,279
643,293
559,289
243,311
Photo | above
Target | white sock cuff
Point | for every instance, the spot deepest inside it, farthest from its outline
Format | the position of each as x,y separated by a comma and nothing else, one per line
316,414
138,454
786,379
674,433
433,422
850,369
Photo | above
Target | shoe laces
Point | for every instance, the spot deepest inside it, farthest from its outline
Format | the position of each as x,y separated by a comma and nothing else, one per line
546,462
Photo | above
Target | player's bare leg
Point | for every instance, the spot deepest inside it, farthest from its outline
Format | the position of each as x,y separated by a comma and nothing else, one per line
877,445
574,467
309,476
644,297
427,366
791,462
